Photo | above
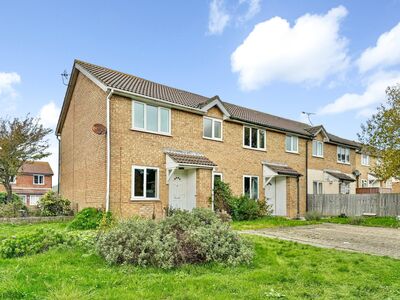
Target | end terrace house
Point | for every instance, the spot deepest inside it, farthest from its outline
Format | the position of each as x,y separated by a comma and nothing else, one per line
133,146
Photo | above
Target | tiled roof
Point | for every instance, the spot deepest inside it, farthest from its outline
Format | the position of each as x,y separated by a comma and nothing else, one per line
282,169
36,167
130,83
339,140
314,129
189,158
340,176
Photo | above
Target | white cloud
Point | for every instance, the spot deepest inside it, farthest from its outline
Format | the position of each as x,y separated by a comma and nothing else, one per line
253,9
8,93
385,53
307,52
374,94
218,18
48,115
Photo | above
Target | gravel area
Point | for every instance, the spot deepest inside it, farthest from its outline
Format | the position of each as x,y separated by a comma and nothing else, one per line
371,240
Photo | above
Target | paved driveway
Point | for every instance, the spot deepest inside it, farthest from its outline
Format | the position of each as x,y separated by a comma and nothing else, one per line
372,240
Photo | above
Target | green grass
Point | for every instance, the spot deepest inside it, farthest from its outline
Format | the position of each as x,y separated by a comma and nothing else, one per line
390,222
281,270
7,230
268,222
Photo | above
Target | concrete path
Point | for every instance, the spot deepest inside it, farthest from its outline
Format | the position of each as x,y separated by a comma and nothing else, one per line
372,240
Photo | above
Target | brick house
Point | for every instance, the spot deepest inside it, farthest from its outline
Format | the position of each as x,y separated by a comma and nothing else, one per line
134,146
34,179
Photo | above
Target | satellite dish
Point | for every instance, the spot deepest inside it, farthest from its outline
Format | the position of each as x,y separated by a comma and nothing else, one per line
99,129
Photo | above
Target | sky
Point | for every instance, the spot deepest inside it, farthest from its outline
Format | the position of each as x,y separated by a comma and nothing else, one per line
283,57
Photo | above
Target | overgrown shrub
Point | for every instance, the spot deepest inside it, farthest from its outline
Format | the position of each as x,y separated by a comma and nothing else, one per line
90,218
182,238
222,195
42,240
313,216
358,220
13,208
53,204
3,198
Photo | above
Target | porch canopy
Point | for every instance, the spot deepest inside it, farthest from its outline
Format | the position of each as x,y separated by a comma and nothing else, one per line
180,159
341,176
271,170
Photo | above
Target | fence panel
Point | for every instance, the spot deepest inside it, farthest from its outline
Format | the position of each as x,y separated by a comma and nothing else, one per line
355,204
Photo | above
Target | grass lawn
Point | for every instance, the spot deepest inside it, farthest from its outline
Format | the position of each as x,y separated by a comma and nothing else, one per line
7,230
268,222
281,270
369,221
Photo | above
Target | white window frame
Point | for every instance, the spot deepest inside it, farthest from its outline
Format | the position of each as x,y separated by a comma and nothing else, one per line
346,150
258,186
320,187
38,197
347,187
365,160
258,138
292,138
315,144
159,109
213,120
23,198
133,197
366,183
13,181
39,176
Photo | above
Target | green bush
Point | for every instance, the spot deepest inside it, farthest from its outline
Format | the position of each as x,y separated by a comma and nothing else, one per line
53,204
182,238
313,216
90,218
42,240
358,220
3,198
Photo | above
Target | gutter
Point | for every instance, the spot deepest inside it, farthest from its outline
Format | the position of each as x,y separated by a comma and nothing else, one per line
108,151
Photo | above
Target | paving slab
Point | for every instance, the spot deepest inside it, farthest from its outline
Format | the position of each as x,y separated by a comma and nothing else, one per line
371,240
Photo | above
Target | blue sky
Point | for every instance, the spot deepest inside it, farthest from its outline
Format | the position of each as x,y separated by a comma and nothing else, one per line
334,58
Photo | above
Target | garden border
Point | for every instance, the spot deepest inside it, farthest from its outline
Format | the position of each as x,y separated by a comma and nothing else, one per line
24,220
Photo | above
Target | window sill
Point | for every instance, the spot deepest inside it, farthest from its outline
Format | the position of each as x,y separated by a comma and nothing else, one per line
292,152
365,165
151,132
343,163
317,156
211,139
144,199
256,149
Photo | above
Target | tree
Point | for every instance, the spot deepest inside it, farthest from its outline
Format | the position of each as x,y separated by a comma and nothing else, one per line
380,135
21,141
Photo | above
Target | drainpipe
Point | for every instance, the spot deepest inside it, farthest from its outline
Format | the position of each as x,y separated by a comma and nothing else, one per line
307,175
298,197
108,150
59,162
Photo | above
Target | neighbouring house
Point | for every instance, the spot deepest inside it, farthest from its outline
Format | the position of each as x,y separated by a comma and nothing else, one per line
133,146
34,179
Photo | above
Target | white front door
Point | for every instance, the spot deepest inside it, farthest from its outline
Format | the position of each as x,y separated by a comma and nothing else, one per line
182,189
275,193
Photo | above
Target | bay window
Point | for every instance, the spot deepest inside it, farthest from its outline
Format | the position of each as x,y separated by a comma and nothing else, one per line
151,118
254,138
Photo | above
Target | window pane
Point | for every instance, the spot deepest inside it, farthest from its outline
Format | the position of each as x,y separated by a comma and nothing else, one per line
254,187
151,183
207,127
247,186
320,188
217,130
262,139
138,117
320,149
247,136
315,187
164,120
139,181
254,138
295,141
151,118
314,147
217,177
288,143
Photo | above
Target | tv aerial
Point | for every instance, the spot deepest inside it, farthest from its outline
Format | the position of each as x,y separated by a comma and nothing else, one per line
65,77
308,114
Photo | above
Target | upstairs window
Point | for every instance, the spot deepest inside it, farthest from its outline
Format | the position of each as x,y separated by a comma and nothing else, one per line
343,155
365,160
151,118
318,148
254,138
38,179
250,186
212,129
292,144
13,179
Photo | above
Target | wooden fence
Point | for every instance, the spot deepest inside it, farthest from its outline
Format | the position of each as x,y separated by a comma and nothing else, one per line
355,205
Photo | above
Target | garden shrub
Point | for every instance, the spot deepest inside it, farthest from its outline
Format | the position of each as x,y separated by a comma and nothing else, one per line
42,240
90,218
358,220
13,208
313,216
53,204
3,198
182,238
